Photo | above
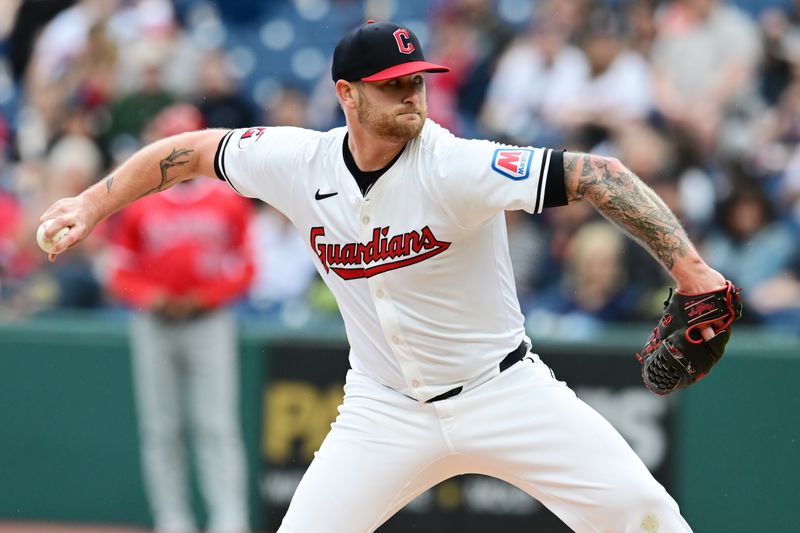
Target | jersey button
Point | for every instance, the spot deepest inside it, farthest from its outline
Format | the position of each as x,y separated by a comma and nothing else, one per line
415,383
379,293
365,220
395,340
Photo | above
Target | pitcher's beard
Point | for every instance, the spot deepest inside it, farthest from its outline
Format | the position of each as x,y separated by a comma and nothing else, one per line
385,125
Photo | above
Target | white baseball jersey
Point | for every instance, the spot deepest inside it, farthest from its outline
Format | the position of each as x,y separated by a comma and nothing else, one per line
419,265
420,268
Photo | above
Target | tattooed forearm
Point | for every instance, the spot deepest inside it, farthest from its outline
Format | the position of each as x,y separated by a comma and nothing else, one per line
622,197
172,160
109,181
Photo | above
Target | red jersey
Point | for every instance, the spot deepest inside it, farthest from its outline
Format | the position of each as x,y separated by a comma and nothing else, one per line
188,240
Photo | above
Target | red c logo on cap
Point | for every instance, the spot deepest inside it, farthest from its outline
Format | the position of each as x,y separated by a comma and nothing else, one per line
403,39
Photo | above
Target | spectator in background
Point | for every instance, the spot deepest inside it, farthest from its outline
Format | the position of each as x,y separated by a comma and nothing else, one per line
594,288
284,271
776,157
74,164
527,246
641,19
21,187
150,20
65,38
457,45
289,106
756,249
705,59
148,28
562,224
96,55
10,217
217,95
617,90
781,46
789,187
130,111
181,258
84,85
534,79
651,154
24,20
469,37
36,285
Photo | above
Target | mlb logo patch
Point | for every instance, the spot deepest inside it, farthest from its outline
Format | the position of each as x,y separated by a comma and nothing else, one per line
514,164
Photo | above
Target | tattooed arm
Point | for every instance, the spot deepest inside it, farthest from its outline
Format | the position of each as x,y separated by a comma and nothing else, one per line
154,168
623,198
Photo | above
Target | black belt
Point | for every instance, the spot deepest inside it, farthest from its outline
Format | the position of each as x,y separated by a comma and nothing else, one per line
509,360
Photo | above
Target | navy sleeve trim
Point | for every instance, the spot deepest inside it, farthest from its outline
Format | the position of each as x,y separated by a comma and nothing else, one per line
219,161
219,157
542,185
555,193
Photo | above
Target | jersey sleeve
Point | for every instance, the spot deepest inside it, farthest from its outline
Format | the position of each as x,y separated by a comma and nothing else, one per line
262,162
478,179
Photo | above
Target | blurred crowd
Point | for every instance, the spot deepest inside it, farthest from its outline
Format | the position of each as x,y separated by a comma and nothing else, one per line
700,98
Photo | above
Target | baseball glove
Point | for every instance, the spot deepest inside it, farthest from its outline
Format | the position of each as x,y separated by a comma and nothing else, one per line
676,355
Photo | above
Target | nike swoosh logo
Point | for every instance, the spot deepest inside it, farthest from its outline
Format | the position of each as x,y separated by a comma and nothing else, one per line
318,196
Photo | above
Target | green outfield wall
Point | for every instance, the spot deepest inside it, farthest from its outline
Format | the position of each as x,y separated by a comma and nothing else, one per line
68,435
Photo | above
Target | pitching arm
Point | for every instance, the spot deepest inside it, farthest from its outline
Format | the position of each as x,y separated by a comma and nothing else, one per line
623,198
154,168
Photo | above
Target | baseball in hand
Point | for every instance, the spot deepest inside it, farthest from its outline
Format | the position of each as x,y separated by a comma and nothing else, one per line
48,244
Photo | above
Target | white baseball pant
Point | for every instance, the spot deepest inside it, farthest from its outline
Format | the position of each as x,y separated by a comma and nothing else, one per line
190,367
523,426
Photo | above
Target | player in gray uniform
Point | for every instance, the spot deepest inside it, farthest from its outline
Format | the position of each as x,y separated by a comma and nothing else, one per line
406,225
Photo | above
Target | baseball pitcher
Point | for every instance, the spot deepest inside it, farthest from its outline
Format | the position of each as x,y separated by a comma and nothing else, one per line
406,225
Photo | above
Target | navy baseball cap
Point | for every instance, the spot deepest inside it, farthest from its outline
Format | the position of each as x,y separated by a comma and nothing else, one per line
377,51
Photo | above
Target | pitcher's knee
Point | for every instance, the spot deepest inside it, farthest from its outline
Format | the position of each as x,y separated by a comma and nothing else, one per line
648,509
